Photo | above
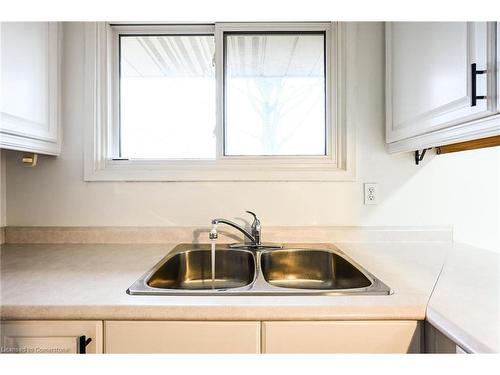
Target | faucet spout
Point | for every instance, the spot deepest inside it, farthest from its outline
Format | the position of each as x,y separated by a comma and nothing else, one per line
238,227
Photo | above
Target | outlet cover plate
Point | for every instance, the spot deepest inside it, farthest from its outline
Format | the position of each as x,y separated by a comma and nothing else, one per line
371,192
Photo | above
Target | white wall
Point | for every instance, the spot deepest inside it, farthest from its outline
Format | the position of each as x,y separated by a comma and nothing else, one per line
3,195
457,189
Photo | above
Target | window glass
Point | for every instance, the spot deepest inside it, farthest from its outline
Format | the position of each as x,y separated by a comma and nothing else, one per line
167,97
275,94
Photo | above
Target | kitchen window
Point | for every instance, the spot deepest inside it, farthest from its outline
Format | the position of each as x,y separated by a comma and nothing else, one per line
223,101
166,96
274,94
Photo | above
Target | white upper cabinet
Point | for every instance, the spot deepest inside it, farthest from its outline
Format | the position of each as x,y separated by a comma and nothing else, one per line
432,95
29,102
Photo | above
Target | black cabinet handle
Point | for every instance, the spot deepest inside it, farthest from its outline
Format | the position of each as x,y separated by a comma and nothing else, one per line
473,76
83,341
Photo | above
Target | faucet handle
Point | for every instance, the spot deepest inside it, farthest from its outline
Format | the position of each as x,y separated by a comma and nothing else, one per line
255,227
256,221
251,213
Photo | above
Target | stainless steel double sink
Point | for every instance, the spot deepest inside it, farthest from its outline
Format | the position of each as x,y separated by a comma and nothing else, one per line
291,270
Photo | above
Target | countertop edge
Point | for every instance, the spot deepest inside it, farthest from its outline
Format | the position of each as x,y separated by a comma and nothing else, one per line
466,341
204,313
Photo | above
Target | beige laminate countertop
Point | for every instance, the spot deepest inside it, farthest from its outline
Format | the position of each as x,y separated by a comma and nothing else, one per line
465,304
68,281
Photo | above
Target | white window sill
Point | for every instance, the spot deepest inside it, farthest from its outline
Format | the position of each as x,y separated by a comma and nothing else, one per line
135,170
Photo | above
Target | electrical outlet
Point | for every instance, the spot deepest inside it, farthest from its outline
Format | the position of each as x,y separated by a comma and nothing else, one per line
370,193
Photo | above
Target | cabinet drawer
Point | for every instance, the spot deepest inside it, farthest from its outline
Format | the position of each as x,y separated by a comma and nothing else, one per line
50,337
182,337
341,337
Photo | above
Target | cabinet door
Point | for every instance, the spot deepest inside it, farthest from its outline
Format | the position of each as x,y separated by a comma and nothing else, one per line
51,337
436,342
341,337
429,79
182,337
30,86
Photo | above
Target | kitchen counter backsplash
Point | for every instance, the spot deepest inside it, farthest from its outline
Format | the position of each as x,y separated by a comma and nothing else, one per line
156,235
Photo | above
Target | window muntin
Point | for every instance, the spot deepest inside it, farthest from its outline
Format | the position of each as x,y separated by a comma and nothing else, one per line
275,94
167,96
162,78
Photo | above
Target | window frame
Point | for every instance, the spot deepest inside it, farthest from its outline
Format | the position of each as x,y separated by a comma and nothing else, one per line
119,30
102,110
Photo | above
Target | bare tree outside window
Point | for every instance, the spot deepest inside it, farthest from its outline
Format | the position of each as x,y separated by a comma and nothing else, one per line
275,89
275,94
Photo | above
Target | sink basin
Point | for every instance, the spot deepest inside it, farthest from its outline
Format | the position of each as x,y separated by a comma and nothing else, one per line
310,269
294,270
191,270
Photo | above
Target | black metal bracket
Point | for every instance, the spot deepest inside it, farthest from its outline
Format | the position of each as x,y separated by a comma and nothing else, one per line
419,155
473,73
83,341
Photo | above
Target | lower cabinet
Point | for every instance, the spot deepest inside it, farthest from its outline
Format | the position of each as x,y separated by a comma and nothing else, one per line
51,337
211,336
342,337
182,337
437,343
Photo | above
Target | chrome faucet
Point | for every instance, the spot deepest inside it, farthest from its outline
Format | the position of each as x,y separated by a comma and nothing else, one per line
255,236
